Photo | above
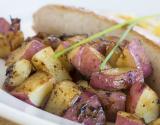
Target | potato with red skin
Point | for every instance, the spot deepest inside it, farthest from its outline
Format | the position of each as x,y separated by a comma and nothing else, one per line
124,118
134,56
86,59
87,110
112,102
10,36
44,61
68,41
4,26
62,97
17,73
35,90
116,78
25,52
143,101
100,45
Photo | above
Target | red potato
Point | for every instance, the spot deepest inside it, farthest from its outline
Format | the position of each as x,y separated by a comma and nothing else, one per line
9,39
87,110
5,48
35,90
112,103
44,61
17,73
48,40
73,38
63,96
116,78
134,56
100,45
124,118
155,122
66,64
143,101
86,59
112,42
4,25
25,52
68,40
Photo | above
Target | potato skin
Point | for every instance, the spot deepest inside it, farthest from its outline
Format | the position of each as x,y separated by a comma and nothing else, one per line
87,110
62,97
86,59
124,118
116,78
4,25
17,73
112,102
44,61
133,55
35,89
143,101
26,51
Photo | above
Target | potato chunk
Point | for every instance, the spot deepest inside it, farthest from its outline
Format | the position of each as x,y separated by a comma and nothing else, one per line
62,97
26,51
124,118
134,56
44,61
86,59
116,78
35,90
17,73
143,101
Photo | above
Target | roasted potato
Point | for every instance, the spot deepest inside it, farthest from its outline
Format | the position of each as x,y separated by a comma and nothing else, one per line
66,64
100,45
4,26
35,90
44,61
4,45
134,56
112,102
143,101
26,51
112,42
11,37
62,97
116,78
17,73
87,110
155,122
86,59
124,118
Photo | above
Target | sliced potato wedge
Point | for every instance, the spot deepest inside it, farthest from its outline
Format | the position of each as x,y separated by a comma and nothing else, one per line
44,61
17,73
62,97
143,101
35,90
124,118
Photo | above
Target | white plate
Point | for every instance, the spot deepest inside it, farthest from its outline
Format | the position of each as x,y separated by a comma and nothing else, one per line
22,113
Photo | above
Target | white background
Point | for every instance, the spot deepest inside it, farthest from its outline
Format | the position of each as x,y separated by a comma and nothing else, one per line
24,8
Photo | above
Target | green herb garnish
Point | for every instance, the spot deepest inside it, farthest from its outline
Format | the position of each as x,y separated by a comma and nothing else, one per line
98,35
122,38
